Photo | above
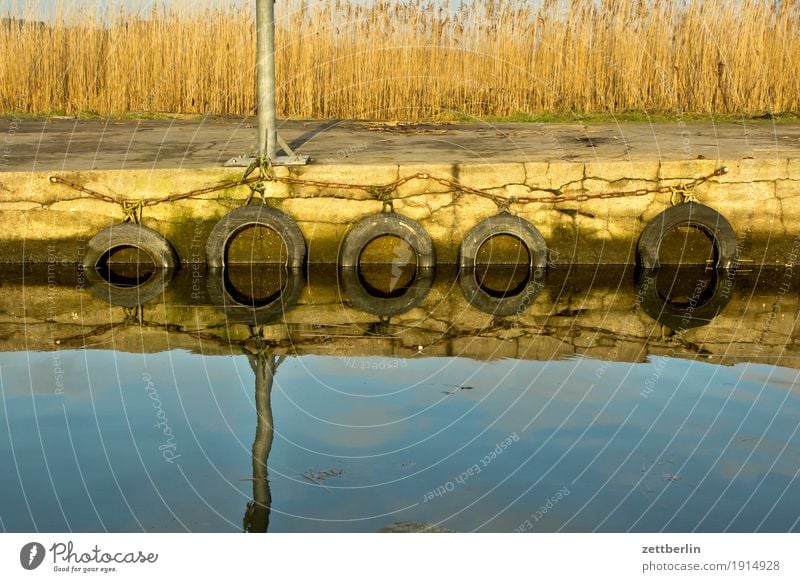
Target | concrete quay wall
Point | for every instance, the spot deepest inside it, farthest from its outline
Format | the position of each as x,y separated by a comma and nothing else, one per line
42,221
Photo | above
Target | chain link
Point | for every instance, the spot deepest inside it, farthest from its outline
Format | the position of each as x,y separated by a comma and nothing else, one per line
132,210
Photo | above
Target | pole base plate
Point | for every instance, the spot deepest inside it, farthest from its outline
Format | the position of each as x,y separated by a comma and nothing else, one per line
245,162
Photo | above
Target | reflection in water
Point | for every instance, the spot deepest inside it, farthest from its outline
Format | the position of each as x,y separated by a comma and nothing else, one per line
684,298
128,285
502,290
254,294
125,274
385,293
443,416
587,312
679,298
256,518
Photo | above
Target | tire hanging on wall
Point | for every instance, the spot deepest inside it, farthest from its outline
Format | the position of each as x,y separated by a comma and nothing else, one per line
376,226
121,291
128,235
503,224
690,214
357,289
234,222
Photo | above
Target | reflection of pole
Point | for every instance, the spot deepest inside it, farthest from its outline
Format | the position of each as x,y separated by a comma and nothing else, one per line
256,519
265,49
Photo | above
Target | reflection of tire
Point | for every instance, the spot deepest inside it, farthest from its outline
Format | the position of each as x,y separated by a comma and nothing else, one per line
376,226
128,235
234,222
241,309
356,290
699,311
501,224
690,214
501,304
129,296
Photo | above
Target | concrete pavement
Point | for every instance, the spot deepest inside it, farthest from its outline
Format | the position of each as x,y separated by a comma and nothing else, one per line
89,144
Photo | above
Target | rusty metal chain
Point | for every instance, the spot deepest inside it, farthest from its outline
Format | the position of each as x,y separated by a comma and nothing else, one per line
152,201
132,210
383,193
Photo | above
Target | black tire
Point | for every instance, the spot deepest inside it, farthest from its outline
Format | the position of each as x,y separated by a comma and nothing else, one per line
502,224
512,302
690,214
128,295
238,309
357,291
711,301
258,215
128,235
376,226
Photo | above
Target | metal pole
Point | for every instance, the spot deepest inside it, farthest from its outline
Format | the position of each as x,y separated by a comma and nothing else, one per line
265,47
268,138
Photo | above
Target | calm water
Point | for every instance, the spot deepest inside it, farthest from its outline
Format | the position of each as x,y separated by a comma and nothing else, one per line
580,413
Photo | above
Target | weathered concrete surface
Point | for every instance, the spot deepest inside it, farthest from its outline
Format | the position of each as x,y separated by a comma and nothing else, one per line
594,313
41,222
85,144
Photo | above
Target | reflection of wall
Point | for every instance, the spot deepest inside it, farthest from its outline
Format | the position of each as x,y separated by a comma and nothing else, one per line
592,314
757,196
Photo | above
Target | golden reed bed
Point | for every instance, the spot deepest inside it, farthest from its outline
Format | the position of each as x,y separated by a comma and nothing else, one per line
410,59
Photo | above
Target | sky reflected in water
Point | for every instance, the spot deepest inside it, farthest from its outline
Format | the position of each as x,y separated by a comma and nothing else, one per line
164,442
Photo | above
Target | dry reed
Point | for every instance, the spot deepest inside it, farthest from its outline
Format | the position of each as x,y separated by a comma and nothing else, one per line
414,59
